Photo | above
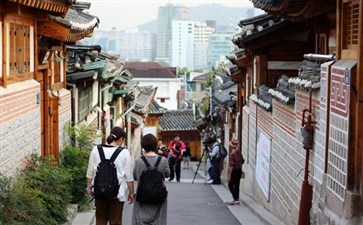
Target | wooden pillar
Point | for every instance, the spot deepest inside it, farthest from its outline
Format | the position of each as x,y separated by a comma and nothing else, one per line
359,106
339,29
4,47
262,71
240,111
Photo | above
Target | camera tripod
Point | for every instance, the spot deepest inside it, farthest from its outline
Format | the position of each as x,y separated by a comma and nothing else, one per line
205,165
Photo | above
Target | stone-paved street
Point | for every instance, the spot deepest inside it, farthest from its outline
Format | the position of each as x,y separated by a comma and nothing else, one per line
195,204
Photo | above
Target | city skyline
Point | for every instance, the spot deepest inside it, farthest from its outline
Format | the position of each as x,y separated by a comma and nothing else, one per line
143,11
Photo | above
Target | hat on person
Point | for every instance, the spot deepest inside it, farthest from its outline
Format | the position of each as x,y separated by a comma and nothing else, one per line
233,143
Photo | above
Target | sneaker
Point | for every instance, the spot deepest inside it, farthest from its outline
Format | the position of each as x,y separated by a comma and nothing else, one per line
170,180
236,202
210,181
230,203
177,180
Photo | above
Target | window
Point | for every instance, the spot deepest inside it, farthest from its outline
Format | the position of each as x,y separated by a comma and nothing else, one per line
85,98
350,24
202,87
162,100
19,49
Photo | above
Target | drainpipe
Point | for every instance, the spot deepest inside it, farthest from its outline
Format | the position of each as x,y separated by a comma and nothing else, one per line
100,103
306,189
319,57
73,109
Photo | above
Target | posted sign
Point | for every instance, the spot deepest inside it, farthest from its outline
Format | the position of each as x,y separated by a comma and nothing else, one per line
263,162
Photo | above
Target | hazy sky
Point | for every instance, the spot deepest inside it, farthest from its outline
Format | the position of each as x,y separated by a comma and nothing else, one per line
131,13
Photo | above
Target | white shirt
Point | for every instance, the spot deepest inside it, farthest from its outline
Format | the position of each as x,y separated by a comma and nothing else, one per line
123,167
215,150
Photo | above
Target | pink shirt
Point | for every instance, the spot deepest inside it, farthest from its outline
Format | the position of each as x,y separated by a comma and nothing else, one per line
182,146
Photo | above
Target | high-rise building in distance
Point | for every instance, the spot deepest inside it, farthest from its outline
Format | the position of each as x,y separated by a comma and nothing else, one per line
189,44
219,45
166,15
130,44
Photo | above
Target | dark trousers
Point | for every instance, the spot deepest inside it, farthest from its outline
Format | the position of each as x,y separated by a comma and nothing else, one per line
174,165
109,211
216,172
234,183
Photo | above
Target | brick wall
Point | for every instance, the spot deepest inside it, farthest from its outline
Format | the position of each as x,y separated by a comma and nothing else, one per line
65,116
287,154
19,124
338,133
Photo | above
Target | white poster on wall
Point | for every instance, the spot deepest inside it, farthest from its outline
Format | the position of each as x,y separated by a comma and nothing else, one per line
263,162
149,130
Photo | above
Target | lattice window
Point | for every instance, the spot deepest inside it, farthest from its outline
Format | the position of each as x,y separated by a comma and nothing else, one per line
19,40
350,24
85,99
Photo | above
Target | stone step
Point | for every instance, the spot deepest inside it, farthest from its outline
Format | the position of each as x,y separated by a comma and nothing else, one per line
72,213
85,218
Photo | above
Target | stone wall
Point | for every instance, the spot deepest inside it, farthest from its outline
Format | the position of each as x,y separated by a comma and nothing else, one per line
19,124
282,127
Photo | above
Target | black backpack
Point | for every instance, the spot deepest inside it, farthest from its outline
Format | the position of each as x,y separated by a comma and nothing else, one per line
151,188
222,151
106,184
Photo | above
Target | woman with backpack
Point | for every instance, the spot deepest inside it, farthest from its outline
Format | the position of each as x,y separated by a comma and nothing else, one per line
109,175
150,171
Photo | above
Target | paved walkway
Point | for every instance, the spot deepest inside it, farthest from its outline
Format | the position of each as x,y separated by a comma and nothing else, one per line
201,204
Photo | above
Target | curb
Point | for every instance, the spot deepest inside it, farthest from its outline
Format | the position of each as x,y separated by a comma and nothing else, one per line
259,211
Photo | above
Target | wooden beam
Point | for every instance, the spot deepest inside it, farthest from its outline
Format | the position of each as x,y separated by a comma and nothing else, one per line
245,61
53,30
239,76
4,47
36,61
339,29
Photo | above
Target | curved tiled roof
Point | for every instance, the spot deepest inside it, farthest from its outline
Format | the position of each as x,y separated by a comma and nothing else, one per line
177,120
150,70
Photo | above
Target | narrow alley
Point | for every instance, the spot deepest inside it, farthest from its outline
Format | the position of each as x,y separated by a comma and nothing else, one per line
200,204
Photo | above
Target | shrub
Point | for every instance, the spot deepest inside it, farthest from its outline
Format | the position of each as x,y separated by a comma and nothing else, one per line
39,194
74,158
75,161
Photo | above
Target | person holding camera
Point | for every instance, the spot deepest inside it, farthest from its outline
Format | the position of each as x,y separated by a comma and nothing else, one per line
214,171
161,149
177,147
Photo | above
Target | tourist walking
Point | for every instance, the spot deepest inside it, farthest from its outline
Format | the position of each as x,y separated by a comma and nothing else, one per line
234,171
146,213
186,156
110,162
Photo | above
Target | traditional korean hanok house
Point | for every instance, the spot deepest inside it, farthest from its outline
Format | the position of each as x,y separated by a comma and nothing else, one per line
272,142
181,122
33,99
138,123
91,74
